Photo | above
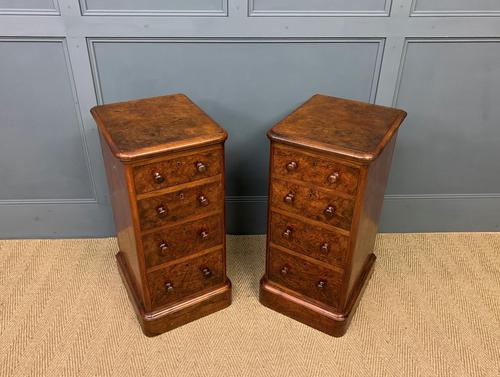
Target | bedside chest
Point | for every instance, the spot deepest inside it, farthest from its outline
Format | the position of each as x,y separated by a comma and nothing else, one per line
329,167
164,159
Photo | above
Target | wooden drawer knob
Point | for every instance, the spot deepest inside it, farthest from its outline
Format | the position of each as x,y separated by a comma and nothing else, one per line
284,270
206,272
321,284
162,211
158,178
163,247
202,199
291,166
204,234
289,198
287,233
334,177
325,248
330,211
201,167
169,287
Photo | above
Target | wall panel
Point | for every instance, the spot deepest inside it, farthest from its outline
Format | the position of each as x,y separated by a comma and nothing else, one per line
248,63
246,85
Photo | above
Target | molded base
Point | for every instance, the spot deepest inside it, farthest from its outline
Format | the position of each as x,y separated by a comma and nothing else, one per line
168,318
318,317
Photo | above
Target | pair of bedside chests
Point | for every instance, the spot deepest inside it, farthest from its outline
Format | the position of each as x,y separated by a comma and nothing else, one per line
329,165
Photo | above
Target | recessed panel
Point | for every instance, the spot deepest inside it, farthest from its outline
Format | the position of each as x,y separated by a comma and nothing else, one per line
318,6
429,6
246,86
153,6
42,154
449,143
27,6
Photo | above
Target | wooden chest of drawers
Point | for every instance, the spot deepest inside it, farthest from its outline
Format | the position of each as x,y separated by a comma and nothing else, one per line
164,160
329,167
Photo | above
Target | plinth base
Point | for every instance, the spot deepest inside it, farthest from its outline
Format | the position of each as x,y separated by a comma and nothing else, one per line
168,318
321,318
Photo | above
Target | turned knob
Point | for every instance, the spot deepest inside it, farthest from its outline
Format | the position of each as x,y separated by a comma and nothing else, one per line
204,234
158,177
202,199
334,177
289,198
287,233
169,287
161,210
284,270
330,211
325,248
201,167
163,247
206,272
291,166
321,284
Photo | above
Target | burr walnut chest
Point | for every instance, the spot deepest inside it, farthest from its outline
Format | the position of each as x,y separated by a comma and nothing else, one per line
329,167
164,159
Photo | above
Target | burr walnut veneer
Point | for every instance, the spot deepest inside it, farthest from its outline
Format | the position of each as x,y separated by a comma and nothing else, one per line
329,166
164,159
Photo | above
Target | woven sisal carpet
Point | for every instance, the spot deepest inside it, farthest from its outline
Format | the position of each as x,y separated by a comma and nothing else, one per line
432,308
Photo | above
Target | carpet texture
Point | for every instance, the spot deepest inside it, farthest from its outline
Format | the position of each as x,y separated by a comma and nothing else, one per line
432,308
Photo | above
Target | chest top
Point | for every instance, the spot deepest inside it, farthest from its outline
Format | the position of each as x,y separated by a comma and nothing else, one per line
353,129
147,127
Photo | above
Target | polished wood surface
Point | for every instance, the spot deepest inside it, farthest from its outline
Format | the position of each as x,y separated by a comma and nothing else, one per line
330,161
294,163
164,160
313,202
171,243
348,128
319,243
181,280
147,127
178,169
178,205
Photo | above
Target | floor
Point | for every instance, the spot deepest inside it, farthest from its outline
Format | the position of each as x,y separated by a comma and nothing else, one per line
432,308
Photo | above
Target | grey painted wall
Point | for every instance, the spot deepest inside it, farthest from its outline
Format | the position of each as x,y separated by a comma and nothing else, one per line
248,63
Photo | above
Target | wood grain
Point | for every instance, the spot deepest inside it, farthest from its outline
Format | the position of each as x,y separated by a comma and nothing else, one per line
186,278
309,239
180,205
311,201
178,170
315,169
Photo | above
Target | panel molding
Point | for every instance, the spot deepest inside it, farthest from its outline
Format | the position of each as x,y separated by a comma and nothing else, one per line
375,74
451,13
222,12
445,196
88,164
252,12
54,11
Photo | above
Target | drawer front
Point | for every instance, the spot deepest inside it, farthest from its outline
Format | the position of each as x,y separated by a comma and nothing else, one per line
329,174
316,204
306,278
181,240
175,171
175,206
321,244
178,281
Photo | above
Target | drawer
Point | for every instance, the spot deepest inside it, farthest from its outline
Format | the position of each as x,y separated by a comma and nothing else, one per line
306,278
178,281
292,163
182,240
175,171
178,205
296,235
312,202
